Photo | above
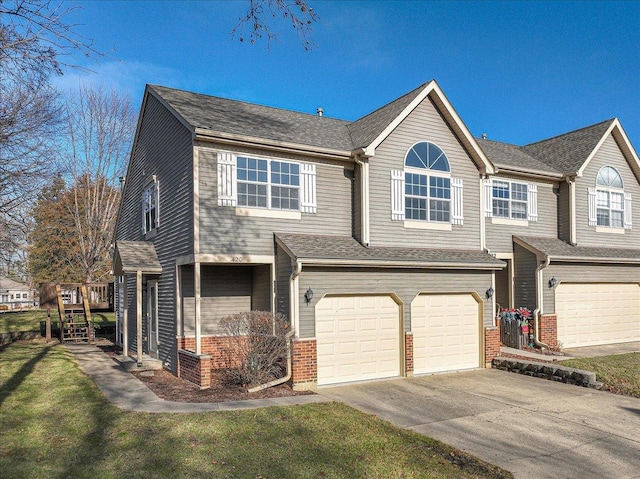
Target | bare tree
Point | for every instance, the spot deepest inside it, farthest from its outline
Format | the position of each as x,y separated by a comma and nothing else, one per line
257,21
101,126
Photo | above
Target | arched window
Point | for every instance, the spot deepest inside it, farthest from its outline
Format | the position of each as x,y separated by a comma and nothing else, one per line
424,190
610,198
609,205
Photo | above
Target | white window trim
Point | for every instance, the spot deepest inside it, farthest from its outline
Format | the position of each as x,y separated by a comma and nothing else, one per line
609,192
593,206
429,174
610,229
500,220
509,200
228,187
153,187
428,225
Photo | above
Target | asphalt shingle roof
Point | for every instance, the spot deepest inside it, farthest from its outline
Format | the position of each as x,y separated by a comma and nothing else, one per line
506,155
248,119
569,151
347,249
138,256
558,249
9,284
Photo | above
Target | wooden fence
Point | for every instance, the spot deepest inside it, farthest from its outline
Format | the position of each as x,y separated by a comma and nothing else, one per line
511,334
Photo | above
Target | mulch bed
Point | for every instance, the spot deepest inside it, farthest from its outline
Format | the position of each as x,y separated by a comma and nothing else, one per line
167,386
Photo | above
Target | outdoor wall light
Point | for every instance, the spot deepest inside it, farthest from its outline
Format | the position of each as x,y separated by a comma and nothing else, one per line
490,292
552,282
308,296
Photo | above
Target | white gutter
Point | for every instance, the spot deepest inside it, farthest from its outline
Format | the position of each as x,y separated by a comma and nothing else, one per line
539,302
294,300
364,200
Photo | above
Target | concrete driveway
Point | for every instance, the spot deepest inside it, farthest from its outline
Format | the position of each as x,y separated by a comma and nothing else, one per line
534,428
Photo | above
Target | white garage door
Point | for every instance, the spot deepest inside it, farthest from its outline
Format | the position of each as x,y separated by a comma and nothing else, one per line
446,332
597,313
358,338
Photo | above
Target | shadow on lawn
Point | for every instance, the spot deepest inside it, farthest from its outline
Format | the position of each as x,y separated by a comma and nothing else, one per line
21,374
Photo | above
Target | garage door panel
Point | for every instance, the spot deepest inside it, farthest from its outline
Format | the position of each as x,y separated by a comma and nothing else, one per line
446,333
365,332
597,313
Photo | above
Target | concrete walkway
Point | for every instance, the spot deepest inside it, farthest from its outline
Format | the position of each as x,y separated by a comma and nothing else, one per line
127,392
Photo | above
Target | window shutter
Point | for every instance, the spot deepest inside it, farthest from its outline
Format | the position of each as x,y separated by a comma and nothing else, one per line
627,211
397,195
308,188
532,202
593,209
227,186
488,198
456,201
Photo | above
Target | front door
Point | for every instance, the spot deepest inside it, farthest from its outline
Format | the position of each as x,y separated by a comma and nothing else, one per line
152,317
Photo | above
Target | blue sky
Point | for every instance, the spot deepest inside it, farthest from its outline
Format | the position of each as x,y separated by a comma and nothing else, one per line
520,71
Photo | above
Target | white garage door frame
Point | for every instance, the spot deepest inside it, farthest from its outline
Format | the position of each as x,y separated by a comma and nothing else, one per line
471,352
329,341
614,308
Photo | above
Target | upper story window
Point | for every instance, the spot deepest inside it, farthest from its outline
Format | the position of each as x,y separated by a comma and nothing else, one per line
267,184
150,207
424,190
609,206
509,199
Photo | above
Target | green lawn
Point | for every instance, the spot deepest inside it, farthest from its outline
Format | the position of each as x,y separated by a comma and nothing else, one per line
55,423
30,320
620,373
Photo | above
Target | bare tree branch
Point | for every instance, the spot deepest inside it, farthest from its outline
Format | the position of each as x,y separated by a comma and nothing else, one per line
261,13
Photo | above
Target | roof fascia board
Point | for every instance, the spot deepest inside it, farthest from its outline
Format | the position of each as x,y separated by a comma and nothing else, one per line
589,259
618,133
397,264
528,173
280,146
180,118
432,88
540,255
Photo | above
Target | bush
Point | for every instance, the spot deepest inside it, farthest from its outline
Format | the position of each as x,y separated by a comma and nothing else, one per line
257,348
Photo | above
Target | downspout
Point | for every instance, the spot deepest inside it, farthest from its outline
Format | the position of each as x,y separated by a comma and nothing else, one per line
364,199
572,211
281,380
294,301
483,220
539,302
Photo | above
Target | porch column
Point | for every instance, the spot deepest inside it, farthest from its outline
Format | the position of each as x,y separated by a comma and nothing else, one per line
139,316
125,317
198,324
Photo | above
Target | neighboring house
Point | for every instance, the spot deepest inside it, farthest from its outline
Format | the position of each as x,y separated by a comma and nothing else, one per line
382,240
14,295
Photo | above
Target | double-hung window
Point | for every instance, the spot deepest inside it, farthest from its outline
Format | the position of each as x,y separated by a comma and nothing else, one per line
150,208
609,206
425,191
509,199
268,184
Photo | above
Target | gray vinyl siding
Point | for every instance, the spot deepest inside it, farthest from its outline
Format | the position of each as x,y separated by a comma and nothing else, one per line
283,275
564,212
423,124
224,290
163,148
499,236
524,287
406,284
584,273
608,154
222,232
503,278
261,288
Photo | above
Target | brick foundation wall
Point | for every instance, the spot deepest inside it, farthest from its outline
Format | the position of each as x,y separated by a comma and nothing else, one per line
492,344
214,346
195,368
548,332
408,354
304,363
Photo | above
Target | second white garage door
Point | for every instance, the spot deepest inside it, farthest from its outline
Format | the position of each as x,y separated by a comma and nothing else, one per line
446,332
358,338
597,313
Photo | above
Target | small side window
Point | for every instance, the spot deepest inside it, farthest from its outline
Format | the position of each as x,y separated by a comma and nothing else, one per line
150,208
